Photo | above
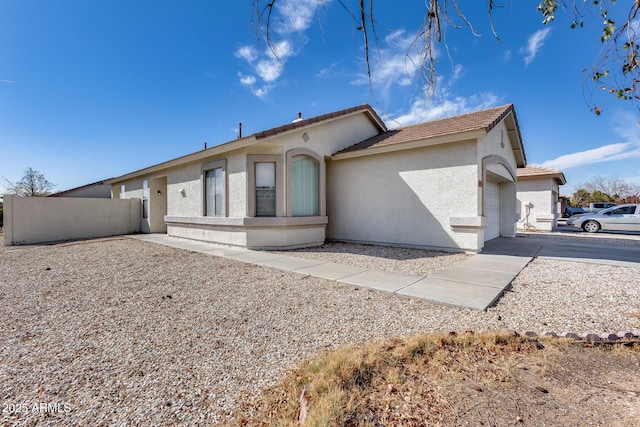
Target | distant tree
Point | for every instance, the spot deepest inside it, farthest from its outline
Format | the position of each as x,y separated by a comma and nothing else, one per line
581,197
32,184
600,196
630,199
615,70
616,188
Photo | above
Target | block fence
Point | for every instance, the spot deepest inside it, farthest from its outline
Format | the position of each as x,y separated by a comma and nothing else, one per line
29,220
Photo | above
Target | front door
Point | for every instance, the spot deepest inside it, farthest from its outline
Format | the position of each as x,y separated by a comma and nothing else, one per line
158,205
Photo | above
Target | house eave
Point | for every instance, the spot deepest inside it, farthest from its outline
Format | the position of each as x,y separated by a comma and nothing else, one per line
513,132
189,158
559,178
410,145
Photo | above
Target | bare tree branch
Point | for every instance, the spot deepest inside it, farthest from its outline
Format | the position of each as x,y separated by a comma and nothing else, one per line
616,68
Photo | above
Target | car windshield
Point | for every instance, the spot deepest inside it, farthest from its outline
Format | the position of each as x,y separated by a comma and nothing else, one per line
608,210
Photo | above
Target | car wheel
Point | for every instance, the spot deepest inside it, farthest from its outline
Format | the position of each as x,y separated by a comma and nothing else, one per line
591,226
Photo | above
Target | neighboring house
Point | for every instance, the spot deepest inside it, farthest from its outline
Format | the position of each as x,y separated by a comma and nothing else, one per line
447,184
539,202
98,190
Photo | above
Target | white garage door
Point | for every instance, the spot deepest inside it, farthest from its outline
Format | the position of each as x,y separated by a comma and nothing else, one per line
492,210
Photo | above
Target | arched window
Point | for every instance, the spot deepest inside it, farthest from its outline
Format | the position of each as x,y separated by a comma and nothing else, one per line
305,186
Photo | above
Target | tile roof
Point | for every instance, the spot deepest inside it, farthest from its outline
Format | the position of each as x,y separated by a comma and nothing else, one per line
479,120
532,171
305,122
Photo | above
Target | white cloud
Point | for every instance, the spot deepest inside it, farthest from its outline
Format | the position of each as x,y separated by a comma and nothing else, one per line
606,153
6,81
250,82
535,43
269,70
295,15
248,53
247,80
628,149
443,103
291,18
425,108
329,71
392,64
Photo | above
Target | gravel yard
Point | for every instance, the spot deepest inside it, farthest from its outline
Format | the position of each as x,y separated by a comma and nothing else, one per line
417,262
111,331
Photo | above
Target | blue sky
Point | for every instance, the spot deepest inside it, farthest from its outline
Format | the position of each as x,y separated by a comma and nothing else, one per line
95,89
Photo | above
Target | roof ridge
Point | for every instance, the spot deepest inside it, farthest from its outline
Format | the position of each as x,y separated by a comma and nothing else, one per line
506,107
317,119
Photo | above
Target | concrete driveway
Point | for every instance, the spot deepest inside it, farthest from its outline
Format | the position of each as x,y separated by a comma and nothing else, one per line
610,249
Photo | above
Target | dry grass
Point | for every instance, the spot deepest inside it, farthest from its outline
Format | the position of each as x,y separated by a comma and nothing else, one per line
424,380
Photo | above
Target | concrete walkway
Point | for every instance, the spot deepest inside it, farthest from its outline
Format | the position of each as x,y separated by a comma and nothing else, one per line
474,283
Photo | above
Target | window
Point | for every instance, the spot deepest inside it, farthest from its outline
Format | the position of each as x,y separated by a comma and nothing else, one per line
214,192
145,198
265,175
625,210
304,186
214,188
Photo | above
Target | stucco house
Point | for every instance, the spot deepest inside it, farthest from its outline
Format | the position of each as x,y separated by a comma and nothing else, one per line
539,201
446,184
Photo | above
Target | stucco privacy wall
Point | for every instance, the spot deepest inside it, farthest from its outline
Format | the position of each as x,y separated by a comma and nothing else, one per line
542,194
48,219
405,198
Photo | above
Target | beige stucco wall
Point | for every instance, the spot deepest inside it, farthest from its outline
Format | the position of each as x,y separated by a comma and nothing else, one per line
327,138
496,142
184,188
407,198
48,219
543,196
276,236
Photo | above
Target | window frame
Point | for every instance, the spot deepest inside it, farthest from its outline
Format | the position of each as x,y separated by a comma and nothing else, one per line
252,159
210,166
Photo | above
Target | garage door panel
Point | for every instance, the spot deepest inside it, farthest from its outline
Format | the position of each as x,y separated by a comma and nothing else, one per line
492,210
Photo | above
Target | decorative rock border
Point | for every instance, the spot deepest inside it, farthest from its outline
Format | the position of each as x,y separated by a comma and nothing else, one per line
589,337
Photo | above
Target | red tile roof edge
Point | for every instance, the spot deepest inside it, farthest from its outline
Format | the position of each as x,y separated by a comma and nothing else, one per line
377,140
533,172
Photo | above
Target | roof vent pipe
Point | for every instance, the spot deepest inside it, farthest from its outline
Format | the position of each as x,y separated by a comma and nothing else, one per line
299,119
240,130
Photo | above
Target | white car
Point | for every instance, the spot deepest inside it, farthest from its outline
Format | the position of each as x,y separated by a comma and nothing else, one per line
617,218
